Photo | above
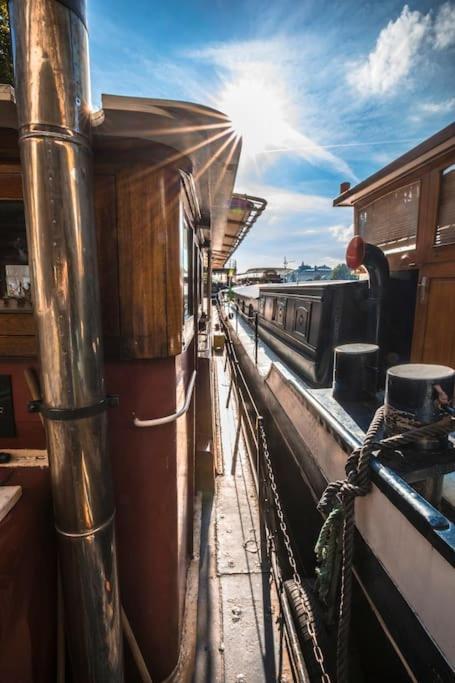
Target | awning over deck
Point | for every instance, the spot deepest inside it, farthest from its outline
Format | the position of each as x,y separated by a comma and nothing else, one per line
199,135
243,213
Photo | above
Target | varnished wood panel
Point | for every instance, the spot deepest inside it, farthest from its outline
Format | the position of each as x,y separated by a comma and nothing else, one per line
10,185
17,346
107,247
434,330
439,342
148,205
17,324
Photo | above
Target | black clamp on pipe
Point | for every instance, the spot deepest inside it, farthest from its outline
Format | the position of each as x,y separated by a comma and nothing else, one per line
62,414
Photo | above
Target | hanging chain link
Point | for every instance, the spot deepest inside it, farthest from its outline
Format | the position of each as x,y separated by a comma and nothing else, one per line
325,678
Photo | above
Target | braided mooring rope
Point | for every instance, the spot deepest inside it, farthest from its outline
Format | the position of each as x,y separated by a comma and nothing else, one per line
342,494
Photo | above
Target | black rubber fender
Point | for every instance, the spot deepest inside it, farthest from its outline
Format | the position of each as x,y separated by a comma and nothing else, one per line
305,610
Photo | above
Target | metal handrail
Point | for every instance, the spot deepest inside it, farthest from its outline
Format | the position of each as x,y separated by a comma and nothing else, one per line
174,416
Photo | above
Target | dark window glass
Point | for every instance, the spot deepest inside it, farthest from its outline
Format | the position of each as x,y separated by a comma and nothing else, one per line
445,229
15,288
186,262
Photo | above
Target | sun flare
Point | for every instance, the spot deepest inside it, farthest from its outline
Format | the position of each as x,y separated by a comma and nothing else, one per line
259,112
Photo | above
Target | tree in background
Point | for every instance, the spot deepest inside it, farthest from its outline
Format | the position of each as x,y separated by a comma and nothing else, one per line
342,272
6,62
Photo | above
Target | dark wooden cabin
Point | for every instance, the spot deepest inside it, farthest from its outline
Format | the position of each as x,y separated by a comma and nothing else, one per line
408,209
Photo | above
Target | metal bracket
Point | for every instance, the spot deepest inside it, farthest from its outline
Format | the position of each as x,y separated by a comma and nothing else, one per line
64,414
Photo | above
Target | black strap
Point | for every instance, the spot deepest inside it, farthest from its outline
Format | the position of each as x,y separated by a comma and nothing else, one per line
62,414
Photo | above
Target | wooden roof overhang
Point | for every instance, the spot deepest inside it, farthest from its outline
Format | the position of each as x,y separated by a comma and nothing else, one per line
243,213
194,133
429,150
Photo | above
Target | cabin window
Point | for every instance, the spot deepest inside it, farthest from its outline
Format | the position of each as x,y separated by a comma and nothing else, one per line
200,278
445,228
15,288
390,222
186,263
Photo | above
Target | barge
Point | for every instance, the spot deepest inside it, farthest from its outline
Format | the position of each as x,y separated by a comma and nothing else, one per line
393,332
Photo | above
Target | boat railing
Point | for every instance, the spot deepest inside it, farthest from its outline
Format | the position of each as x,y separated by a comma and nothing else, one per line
250,423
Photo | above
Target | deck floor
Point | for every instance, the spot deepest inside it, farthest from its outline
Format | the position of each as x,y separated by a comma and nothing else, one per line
240,641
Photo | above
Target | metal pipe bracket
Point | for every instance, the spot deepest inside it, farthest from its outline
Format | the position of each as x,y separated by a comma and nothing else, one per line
64,414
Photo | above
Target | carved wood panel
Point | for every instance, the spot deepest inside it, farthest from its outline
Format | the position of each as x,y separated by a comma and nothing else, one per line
302,319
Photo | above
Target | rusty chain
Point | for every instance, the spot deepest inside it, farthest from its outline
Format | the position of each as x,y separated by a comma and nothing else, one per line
325,678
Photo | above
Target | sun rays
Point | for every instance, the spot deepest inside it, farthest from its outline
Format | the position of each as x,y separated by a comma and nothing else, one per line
259,112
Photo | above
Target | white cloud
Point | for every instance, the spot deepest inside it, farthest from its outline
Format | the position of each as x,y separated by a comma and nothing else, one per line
281,201
342,233
298,225
444,27
396,52
443,107
307,231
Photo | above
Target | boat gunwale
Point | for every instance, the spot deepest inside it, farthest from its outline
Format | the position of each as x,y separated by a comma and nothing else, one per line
430,522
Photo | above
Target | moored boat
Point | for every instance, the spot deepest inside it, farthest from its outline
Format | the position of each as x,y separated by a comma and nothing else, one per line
395,329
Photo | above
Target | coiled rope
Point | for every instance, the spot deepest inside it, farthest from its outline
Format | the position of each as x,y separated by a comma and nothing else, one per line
339,499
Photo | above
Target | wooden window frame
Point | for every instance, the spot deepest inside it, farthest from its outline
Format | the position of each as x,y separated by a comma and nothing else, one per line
429,175
427,251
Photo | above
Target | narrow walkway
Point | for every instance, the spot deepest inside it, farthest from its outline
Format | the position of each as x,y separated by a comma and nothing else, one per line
249,647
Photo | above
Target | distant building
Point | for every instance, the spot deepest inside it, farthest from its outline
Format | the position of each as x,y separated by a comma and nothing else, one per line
262,275
223,275
222,278
305,273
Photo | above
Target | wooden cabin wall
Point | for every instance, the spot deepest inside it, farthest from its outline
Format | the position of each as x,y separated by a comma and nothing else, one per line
27,539
151,353
29,430
151,356
146,492
28,580
137,223
433,338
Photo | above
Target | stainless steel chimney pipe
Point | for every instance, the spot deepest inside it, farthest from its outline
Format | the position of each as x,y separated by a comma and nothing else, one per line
50,47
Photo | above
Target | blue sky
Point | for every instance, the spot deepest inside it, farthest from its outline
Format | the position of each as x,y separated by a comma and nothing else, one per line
322,91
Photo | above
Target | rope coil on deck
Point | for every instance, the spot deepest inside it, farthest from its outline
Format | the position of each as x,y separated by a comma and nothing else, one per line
338,500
